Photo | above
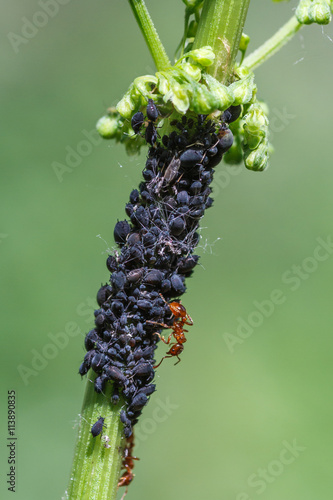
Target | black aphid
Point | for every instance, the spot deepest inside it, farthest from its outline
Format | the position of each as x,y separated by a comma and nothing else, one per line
97,427
231,114
137,121
152,112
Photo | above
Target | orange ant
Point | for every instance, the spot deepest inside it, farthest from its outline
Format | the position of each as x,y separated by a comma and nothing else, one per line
175,350
181,318
128,465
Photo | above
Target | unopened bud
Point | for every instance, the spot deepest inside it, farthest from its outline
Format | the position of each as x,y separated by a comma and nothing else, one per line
243,90
321,12
257,159
314,11
223,95
127,105
203,101
244,42
107,126
192,4
255,126
192,29
204,56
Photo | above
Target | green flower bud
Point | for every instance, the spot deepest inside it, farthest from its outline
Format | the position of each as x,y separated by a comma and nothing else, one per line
264,107
192,4
223,95
255,126
314,11
203,101
257,159
244,42
107,126
320,12
204,56
242,72
192,29
127,104
302,12
243,89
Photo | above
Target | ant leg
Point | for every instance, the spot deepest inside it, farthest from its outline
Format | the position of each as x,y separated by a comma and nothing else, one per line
179,360
163,339
159,324
122,481
122,498
189,320
156,366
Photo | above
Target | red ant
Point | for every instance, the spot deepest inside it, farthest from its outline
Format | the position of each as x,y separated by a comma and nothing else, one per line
128,465
181,318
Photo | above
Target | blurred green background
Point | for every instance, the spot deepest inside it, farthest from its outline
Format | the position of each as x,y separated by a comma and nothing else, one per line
222,423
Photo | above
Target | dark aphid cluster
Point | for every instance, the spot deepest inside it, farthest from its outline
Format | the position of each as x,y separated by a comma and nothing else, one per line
156,256
138,120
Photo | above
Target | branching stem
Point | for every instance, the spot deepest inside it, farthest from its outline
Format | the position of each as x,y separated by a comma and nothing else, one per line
273,44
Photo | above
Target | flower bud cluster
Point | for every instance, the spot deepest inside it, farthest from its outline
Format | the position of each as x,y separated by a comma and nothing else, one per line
314,11
251,143
155,257
255,143
184,87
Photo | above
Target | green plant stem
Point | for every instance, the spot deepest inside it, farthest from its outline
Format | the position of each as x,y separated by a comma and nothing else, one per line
221,25
275,43
96,469
150,34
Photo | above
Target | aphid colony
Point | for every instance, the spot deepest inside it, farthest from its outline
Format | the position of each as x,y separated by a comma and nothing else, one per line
155,257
